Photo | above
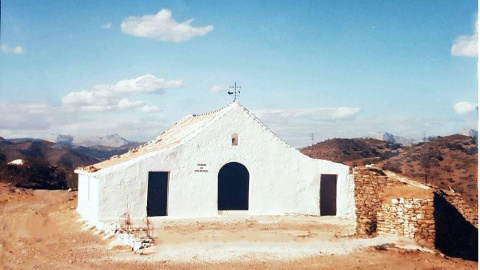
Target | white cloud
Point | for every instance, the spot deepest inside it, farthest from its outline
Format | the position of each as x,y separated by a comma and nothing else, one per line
163,27
19,120
7,49
31,117
315,114
146,83
85,98
219,88
148,108
40,120
127,104
105,97
464,107
466,45
132,129
298,133
96,108
106,26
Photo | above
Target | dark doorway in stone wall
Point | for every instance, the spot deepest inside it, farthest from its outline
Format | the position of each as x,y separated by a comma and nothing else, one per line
454,235
157,194
233,184
328,195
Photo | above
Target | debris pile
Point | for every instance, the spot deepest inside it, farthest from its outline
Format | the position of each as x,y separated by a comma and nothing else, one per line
131,237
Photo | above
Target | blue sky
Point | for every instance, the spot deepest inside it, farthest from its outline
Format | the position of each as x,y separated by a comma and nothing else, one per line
332,68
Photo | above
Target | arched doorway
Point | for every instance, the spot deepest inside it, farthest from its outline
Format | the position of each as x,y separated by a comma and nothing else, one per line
233,183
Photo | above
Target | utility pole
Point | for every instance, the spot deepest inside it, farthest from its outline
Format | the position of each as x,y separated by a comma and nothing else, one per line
313,138
235,92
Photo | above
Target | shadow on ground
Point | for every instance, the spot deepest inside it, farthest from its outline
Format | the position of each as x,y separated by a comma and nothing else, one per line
455,236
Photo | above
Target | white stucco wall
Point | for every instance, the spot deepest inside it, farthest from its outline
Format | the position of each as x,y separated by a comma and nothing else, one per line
88,198
282,180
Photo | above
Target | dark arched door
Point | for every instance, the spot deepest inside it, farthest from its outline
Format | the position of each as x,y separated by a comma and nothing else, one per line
233,182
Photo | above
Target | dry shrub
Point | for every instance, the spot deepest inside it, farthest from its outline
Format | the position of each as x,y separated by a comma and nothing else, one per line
149,228
127,221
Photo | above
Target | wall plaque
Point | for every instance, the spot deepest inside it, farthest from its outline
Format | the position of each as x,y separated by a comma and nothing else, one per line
201,168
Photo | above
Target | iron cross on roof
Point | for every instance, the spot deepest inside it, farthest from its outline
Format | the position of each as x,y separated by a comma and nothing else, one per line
234,93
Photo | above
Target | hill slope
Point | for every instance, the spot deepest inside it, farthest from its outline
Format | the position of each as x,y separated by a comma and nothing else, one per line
352,151
450,161
104,152
47,165
51,152
446,162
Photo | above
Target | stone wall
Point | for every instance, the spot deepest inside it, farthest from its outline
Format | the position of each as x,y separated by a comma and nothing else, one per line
463,208
434,217
454,235
412,218
368,184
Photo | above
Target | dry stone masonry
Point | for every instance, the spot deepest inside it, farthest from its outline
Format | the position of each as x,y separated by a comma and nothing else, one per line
412,218
436,218
368,184
471,215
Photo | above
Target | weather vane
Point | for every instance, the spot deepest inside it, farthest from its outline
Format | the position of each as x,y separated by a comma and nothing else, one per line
235,92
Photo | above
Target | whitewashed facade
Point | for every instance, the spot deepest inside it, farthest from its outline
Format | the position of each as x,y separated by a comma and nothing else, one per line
281,180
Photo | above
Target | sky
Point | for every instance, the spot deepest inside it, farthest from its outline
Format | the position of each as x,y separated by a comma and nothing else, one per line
334,69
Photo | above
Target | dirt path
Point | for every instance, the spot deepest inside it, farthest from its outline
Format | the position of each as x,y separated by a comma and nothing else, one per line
38,230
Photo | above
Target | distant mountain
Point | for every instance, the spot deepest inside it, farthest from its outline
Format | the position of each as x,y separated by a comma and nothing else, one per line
50,164
98,147
53,153
112,140
60,139
104,152
18,140
388,137
47,165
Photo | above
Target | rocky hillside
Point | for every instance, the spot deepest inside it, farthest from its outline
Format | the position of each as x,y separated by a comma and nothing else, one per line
447,162
358,151
103,152
46,165
50,152
51,164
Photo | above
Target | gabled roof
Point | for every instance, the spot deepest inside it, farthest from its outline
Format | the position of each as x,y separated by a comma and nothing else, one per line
170,138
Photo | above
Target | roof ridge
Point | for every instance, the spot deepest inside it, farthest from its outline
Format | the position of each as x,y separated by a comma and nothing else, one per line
266,127
215,111
171,127
151,146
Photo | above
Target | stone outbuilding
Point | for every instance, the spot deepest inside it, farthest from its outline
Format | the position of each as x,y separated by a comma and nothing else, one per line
210,164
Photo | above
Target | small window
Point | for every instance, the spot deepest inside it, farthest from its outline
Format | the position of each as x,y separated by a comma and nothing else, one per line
234,139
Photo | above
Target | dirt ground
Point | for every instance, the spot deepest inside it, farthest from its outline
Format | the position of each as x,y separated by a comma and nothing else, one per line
39,230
